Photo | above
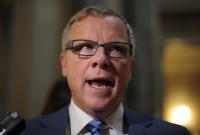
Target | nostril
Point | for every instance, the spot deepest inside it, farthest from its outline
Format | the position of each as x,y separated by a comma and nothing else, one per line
104,65
95,64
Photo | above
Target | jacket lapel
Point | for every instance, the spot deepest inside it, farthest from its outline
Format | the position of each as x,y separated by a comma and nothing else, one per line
138,129
138,124
58,128
56,123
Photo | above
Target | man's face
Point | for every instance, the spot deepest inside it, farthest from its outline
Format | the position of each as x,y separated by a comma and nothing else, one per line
98,82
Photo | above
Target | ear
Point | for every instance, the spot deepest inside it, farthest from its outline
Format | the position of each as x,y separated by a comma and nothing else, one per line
63,64
131,67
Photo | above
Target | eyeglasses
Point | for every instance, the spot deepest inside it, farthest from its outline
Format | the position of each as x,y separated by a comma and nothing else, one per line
89,48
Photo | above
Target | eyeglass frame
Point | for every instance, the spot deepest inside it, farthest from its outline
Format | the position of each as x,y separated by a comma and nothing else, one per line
99,45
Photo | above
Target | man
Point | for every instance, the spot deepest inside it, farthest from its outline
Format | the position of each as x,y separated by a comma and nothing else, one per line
97,60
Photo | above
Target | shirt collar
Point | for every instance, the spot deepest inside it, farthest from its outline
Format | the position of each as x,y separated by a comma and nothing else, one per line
78,118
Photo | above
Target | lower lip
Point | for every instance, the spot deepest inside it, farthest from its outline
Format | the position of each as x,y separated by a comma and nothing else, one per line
106,89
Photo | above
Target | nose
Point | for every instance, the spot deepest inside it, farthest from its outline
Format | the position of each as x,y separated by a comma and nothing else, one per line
100,59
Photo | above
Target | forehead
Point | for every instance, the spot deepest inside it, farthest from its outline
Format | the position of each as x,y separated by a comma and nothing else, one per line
96,28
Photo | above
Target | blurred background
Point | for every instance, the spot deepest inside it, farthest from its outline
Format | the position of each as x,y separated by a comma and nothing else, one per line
166,77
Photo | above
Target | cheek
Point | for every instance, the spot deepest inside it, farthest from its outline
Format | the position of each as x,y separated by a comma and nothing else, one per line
123,76
122,70
75,72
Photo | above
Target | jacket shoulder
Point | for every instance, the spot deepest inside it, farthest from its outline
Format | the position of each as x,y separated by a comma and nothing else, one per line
154,124
33,126
164,127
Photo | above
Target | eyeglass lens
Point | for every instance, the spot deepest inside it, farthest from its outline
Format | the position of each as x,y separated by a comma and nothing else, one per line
89,48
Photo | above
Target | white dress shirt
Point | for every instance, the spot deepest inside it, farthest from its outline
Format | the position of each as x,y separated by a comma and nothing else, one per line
79,119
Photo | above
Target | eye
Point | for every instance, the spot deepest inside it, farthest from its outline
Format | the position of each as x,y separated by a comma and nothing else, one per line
86,47
117,49
83,47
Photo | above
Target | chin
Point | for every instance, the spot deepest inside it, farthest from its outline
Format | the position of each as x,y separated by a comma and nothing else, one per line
99,108
99,105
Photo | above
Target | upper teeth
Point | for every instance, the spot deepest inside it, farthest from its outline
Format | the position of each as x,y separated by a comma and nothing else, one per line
99,87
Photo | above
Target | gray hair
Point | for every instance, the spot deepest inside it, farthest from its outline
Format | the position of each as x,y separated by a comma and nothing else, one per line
94,11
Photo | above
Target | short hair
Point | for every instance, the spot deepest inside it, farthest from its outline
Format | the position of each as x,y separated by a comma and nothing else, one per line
94,11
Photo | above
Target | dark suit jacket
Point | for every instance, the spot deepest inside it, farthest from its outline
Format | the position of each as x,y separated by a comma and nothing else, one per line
138,124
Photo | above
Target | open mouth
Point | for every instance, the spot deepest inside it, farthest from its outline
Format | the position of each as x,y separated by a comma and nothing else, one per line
98,83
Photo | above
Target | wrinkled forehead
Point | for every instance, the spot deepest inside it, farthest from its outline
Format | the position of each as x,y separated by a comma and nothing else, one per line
101,17
111,26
